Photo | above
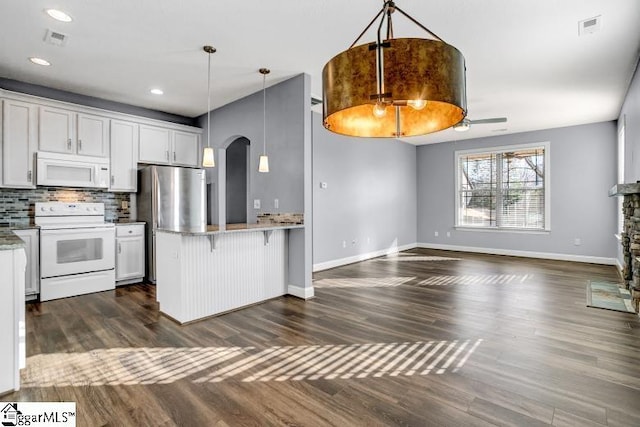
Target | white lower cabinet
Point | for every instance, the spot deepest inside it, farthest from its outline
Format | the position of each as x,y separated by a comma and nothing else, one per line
13,348
129,253
31,237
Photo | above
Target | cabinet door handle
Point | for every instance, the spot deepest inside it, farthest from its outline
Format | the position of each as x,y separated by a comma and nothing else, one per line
29,175
113,178
167,154
174,156
79,145
69,144
119,248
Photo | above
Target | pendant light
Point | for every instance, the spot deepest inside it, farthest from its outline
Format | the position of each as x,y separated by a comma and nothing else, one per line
394,87
207,156
263,166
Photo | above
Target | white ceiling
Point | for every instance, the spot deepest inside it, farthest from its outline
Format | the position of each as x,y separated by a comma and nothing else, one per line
524,58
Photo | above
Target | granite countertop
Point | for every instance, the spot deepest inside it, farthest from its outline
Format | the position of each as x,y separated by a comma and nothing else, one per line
8,240
624,189
234,228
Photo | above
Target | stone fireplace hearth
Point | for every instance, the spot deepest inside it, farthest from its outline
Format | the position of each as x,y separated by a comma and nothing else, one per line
630,238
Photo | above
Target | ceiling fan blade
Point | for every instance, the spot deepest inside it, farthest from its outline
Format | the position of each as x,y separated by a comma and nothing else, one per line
484,121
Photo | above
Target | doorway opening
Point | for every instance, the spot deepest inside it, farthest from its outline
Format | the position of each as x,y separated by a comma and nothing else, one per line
237,181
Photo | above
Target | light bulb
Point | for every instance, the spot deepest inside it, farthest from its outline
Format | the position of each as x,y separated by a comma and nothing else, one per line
379,110
39,61
417,104
207,158
263,166
59,15
463,126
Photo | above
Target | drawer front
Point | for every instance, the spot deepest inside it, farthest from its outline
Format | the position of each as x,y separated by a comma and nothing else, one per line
129,230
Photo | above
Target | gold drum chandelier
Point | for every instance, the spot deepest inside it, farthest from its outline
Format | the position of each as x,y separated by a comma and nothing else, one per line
396,87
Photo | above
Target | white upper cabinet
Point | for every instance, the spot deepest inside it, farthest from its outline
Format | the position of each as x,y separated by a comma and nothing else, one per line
93,135
155,144
185,148
19,133
65,131
164,146
56,130
124,156
31,124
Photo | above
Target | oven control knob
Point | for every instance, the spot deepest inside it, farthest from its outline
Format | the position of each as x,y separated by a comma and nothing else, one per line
95,209
88,209
52,209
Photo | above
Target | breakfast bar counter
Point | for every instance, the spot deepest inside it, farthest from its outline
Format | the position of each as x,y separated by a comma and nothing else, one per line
205,273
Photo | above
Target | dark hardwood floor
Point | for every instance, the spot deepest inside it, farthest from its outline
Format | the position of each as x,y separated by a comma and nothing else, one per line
423,338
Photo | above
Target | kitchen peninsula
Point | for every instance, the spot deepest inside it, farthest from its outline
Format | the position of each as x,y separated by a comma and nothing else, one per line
202,274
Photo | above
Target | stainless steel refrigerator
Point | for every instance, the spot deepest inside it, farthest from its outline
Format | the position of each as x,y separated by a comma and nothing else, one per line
172,198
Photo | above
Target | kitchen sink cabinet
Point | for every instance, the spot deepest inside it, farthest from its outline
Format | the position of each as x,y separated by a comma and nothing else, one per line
31,238
19,144
124,156
129,253
165,146
70,132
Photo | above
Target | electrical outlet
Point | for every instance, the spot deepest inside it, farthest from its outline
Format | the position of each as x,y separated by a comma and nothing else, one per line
354,241
125,204
577,241
344,243
436,234
276,203
448,234
256,204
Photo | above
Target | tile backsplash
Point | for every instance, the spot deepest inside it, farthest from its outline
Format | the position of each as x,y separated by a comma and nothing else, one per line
281,218
17,206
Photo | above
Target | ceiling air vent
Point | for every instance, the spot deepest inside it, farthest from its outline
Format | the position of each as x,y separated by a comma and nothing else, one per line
55,38
589,26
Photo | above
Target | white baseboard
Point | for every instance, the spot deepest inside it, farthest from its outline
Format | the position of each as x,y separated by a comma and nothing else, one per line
297,291
361,257
525,254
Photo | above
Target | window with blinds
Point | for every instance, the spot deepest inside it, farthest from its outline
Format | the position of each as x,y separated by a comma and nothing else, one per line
503,188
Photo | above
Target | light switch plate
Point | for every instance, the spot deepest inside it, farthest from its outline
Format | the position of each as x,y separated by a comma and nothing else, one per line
276,203
256,204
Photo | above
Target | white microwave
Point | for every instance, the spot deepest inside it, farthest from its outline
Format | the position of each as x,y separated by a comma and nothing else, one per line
68,170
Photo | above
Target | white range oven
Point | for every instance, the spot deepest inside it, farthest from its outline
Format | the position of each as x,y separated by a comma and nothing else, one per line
77,249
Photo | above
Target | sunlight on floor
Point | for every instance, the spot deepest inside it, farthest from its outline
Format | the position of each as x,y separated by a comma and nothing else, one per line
368,282
134,366
416,258
489,279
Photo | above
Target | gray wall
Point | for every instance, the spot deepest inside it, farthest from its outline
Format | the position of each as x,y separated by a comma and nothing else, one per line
582,169
285,145
289,150
370,197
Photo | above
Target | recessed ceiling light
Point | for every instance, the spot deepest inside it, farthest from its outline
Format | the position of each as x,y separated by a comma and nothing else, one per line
39,61
157,91
59,15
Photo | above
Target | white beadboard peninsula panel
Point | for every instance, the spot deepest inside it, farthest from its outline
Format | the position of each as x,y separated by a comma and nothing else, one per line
194,281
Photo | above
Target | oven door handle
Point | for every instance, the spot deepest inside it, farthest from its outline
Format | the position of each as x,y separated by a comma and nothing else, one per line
63,231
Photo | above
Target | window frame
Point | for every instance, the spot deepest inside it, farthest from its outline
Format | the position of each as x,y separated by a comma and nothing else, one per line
502,149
